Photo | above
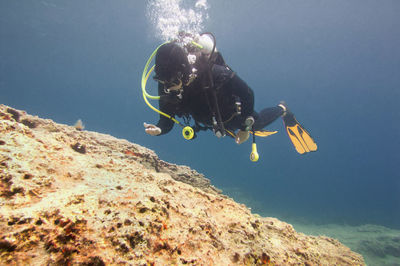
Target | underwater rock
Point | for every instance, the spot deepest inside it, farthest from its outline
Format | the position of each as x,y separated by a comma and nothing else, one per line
118,203
79,148
14,114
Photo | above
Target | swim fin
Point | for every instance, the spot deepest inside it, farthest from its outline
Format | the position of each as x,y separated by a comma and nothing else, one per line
263,133
301,139
258,133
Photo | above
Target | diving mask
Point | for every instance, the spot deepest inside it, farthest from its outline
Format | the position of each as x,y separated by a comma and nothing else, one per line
173,84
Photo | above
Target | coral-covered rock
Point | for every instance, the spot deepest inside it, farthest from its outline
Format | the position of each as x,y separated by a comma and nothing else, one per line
69,196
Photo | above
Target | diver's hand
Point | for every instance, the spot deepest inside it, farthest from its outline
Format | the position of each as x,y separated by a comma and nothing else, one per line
242,136
152,129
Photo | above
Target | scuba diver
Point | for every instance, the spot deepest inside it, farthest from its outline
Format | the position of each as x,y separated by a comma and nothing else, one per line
194,82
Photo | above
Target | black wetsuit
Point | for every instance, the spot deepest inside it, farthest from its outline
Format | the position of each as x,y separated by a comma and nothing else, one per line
196,100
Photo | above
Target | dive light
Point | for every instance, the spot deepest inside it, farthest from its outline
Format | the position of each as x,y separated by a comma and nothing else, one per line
188,132
254,154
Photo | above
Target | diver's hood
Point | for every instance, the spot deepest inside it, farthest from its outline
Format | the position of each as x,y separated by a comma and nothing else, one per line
171,62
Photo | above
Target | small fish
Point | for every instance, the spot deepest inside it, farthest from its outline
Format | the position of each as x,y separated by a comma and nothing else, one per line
79,125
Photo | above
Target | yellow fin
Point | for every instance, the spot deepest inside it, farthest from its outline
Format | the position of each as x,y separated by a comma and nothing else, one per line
263,133
301,139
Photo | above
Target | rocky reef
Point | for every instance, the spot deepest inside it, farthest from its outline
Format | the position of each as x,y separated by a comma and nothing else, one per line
75,197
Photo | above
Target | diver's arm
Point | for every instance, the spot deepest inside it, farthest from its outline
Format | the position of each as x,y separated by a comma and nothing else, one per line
240,89
164,124
245,93
168,107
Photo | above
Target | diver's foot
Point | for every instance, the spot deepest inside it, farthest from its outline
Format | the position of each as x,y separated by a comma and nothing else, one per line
249,122
284,107
287,116
242,136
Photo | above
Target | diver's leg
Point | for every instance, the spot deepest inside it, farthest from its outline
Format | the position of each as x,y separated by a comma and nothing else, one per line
267,116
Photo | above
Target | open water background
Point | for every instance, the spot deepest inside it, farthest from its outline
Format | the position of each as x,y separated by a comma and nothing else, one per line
335,63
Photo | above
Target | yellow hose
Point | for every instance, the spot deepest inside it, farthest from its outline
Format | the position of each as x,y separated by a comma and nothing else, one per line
145,77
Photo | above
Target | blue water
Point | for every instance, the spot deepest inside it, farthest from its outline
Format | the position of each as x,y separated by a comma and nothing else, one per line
335,63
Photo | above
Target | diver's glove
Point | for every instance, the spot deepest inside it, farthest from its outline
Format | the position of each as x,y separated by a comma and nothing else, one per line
152,129
241,136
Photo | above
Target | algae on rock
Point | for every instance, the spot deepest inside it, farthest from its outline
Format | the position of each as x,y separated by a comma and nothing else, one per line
71,196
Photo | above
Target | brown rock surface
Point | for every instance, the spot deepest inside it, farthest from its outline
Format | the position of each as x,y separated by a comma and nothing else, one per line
84,198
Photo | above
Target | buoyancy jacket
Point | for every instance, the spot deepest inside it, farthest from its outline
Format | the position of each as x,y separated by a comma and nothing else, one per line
234,97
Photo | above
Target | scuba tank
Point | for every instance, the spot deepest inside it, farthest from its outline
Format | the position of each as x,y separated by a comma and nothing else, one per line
207,44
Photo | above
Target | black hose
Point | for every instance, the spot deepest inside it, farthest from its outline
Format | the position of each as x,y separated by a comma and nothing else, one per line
214,46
